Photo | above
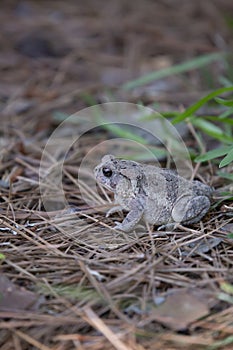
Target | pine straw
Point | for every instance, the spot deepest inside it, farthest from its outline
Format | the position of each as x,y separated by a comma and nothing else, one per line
96,287
95,284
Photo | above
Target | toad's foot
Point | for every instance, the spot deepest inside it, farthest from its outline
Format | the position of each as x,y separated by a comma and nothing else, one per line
168,227
113,210
130,222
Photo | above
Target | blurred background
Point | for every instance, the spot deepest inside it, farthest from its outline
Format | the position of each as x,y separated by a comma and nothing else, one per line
61,56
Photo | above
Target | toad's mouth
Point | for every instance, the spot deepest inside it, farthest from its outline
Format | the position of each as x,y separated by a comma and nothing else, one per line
110,184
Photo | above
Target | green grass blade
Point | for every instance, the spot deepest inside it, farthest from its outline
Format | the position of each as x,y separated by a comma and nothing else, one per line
179,68
225,175
71,291
227,159
223,120
211,129
221,343
222,101
226,287
226,114
152,151
121,132
192,109
225,81
221,151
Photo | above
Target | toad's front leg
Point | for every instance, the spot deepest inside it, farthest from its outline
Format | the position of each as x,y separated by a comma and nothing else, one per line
135,206
130,221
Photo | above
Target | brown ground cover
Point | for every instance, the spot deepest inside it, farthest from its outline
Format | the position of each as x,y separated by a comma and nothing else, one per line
67,280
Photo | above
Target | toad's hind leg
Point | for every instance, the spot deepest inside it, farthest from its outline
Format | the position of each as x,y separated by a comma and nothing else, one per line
189,210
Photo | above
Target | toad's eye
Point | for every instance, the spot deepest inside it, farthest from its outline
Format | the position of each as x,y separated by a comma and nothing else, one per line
107,172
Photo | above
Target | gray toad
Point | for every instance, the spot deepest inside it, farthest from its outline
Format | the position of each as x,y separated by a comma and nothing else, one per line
158,196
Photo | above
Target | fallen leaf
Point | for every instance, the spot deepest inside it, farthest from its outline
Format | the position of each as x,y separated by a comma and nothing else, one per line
204,247
180,309
13,297
228,228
